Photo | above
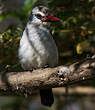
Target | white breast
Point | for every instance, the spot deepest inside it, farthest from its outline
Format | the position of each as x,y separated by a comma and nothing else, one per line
37,48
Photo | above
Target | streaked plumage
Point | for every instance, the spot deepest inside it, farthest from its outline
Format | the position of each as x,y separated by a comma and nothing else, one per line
37,48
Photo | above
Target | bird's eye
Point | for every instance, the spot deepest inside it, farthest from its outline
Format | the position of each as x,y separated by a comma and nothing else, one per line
39,16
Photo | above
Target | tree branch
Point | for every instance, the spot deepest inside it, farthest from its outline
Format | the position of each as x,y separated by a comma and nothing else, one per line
19,83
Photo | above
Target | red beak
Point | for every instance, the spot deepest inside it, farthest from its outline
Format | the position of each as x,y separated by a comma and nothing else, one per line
51,18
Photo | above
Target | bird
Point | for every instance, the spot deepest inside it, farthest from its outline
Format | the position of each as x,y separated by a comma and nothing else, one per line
37,47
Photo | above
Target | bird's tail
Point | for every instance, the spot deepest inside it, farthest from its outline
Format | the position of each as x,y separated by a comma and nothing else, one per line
46,97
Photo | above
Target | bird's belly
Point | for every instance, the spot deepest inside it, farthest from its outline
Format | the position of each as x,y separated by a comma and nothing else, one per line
31,58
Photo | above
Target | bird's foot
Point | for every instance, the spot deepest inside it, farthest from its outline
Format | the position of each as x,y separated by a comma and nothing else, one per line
46,66
31,70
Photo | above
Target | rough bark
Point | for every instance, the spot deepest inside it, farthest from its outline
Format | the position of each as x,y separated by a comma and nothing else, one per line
25,83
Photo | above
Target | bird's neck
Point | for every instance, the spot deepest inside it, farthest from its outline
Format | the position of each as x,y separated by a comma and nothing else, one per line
31,26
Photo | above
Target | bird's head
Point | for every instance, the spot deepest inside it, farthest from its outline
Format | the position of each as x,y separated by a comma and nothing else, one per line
41,15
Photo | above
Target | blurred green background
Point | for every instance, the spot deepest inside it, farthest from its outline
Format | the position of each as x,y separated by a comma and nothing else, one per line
74,36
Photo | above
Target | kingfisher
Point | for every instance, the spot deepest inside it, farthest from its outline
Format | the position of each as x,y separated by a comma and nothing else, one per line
37,47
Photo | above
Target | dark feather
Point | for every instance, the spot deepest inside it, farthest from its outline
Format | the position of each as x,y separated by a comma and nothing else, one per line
46,97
